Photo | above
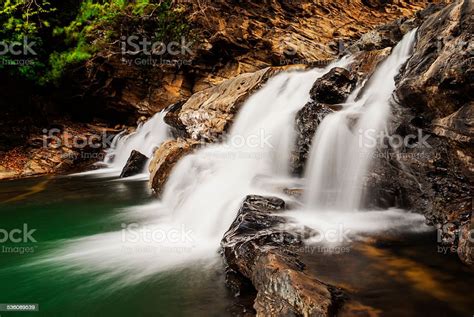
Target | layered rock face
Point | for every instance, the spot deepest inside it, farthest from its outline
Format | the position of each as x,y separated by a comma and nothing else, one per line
64,148
433,172
236,37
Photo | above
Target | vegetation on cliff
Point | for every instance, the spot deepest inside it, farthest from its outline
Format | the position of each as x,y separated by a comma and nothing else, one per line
61,34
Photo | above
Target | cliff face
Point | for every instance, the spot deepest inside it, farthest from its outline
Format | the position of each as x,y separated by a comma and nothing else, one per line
234,37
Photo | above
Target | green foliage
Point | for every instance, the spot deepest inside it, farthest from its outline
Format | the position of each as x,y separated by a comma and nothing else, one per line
67,32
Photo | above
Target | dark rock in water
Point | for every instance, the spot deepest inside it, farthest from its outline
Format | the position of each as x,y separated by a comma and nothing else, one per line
432,172
178,129
307,121
135,164
258,250
334,87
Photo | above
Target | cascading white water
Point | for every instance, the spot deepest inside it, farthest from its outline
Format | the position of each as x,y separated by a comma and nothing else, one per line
343,146
145,139
205,189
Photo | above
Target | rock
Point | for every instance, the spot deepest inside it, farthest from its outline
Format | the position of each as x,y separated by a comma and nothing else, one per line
165,158
334,87
365,63
434,95
389,34
466,242
209,113
307,121
437,80
329,90
178,129
135,164
237,37
257,249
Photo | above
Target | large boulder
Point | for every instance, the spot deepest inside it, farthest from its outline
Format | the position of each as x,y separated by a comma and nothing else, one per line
257,250
165,158
135,164
334,87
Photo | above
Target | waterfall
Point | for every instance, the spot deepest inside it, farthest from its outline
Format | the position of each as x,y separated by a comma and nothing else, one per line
145,139
205,189
343,145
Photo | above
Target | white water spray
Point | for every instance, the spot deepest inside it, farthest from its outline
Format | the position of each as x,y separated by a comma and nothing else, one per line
145,139
205,189
341,151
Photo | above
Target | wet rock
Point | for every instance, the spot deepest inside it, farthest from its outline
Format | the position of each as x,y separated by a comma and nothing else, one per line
135,164
437,80
209,113
334,87
430,173
365,63
389,34
329,90
466,242
165,158
260,250
178,129
307,121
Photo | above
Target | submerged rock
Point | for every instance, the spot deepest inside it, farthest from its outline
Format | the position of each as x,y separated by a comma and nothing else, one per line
135,164
258,251
334,87
165,158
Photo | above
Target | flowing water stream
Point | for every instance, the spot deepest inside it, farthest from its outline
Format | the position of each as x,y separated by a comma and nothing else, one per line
104,247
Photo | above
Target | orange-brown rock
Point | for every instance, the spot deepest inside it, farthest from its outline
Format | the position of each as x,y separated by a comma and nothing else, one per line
209,113
237,37
165,158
